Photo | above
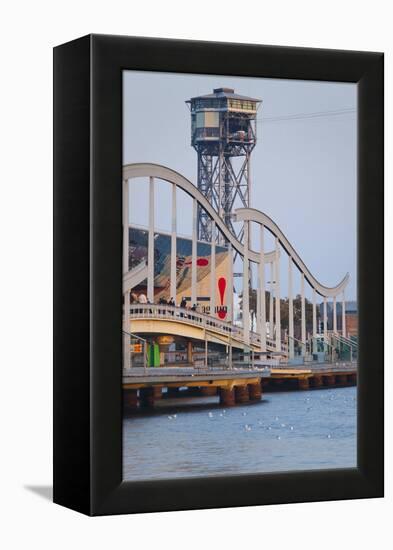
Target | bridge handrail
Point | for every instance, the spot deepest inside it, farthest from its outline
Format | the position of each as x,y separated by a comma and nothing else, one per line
343,339
154,311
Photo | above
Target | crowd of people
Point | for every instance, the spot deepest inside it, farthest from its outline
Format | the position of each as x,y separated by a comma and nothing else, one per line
142,299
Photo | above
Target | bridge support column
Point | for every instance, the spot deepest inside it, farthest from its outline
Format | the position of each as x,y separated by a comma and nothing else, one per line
126,316
271,300
344,328
241,394
173,244
157,392
341,379
126,328
130,400
246,282
255,391
194,253
303,384
126,222
227,397
213,272
335,314
262,299
290,310
317,381
303,314
278,301
150,245
146,397
352,378
230,284
314,321
325,320
329,380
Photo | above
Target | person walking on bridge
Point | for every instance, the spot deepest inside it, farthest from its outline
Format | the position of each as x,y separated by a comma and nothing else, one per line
172,304
183,305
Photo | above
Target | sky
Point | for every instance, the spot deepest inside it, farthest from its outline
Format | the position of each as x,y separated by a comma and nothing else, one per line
304,168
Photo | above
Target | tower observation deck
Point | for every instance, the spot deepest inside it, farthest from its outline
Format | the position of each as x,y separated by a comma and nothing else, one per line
223,133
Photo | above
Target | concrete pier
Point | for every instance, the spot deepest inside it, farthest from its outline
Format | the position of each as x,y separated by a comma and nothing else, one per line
157,392
255,391
233,386
146,397
130,400
241,394
303,384
329,380
341,380
316,381
227,397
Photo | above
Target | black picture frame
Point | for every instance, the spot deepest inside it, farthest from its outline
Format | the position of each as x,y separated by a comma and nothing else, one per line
88,273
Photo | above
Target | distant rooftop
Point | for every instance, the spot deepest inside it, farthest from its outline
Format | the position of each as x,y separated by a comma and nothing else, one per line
225,92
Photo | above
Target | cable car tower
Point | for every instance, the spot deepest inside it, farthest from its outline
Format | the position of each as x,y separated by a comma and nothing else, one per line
223,133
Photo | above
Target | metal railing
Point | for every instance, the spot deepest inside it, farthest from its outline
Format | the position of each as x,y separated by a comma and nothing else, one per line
206,322
343,348
334,349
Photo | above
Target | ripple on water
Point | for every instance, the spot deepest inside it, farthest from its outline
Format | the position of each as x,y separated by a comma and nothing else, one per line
285,431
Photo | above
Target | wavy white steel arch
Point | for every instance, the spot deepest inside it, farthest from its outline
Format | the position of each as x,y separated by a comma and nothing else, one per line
162,172
250,214
242,214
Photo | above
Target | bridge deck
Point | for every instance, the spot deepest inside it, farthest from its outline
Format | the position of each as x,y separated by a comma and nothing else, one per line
164,319
189,376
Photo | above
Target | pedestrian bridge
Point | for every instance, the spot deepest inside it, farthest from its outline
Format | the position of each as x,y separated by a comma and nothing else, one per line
176,321
153,318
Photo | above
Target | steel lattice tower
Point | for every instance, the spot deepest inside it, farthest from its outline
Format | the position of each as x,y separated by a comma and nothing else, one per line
223,133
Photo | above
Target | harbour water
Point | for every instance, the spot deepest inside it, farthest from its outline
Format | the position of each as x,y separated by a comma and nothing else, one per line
286,431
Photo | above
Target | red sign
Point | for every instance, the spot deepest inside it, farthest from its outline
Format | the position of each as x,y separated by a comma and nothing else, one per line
221,309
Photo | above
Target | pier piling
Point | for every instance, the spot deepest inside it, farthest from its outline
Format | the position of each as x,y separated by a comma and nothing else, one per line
255,391
227,397
130,399
241,394
146,397
329,380
303,384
